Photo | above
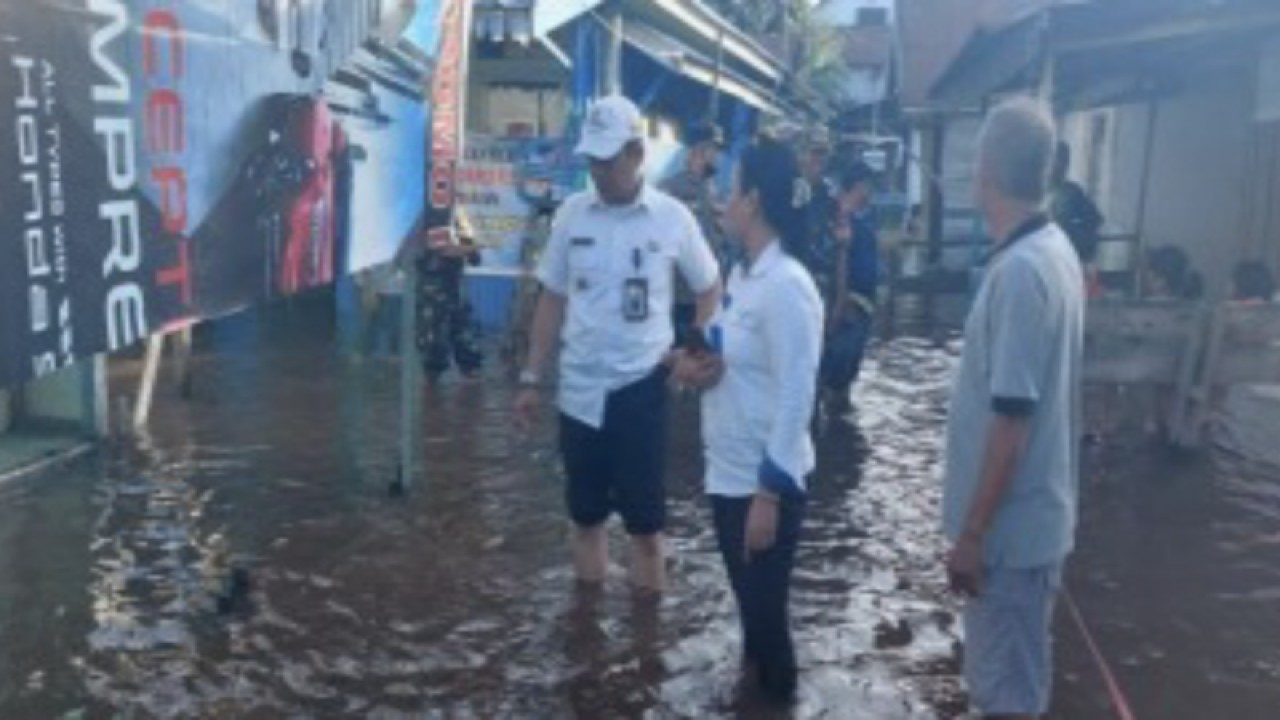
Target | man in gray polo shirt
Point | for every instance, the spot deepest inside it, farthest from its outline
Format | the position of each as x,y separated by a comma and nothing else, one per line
1012,467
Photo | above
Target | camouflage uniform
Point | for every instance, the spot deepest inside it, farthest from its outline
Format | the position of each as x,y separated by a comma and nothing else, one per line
846,341
696,195
819,250
528,289
446,334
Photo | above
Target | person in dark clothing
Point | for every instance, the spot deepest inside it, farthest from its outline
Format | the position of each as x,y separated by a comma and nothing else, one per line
815,165
446,335
758,371
693,186
384,299
1252,282
1169,275
1077,215
847,266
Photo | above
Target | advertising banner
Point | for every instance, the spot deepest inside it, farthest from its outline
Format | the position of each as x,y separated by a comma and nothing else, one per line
502,182
448,103
163,161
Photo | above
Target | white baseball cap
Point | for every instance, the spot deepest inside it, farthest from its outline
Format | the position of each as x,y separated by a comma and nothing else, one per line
611,123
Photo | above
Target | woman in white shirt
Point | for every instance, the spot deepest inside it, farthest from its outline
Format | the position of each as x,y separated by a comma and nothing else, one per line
758,370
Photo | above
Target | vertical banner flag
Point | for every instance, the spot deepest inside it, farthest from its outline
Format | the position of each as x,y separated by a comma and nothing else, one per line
448,103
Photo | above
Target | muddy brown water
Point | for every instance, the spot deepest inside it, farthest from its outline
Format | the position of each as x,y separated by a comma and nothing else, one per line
458,602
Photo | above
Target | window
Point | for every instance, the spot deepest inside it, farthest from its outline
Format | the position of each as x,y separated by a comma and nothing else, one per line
522,110
873,17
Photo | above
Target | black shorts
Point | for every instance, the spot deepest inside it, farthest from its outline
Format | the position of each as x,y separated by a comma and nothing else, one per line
622,466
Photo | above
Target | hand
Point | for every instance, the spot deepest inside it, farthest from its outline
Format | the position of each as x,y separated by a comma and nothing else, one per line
701,371
683,367
712,371
964,566
762,524
454,251
528,403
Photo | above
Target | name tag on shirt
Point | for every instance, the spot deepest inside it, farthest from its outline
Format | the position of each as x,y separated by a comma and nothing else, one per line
635,300
582,242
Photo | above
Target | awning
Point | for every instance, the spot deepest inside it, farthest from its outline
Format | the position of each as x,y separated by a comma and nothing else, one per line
992,62
550,15
1104,54
683,60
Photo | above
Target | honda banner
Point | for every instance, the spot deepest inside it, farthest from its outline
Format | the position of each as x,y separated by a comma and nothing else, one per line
163,161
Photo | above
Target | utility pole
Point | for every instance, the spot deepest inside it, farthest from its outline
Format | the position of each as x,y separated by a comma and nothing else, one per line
713,111
613,57
448,128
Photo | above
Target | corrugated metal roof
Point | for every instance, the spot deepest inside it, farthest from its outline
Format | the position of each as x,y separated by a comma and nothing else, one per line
931,34
1100,43
682,59
998,14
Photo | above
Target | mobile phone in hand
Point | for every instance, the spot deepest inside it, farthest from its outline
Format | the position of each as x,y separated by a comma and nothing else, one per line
697,342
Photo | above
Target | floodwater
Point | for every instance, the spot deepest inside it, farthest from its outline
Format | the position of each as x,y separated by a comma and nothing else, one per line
457,601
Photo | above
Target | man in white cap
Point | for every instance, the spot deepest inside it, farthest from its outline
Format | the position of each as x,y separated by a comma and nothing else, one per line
608,277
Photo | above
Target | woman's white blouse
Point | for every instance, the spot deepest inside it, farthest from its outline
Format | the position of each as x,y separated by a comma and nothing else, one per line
770,327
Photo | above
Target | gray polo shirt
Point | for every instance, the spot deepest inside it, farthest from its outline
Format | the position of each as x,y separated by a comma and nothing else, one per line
1022,354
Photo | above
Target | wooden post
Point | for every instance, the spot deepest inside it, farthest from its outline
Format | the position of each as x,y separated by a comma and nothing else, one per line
613,56
96,418
713,111
1144,194
182,361
410,383
1188,405
934,202
147,387
448,96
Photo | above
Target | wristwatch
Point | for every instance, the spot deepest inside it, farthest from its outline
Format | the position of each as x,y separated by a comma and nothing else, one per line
530,379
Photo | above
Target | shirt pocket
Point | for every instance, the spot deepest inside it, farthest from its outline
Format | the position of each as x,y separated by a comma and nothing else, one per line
586,268
661,259
744,337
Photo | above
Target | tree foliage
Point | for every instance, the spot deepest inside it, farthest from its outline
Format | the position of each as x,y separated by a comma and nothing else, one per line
814,49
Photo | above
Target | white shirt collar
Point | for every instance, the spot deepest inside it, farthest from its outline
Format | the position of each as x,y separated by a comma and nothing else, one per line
769,257
643,201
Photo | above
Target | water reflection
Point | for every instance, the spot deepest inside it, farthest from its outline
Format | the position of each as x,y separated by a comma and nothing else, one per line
458,602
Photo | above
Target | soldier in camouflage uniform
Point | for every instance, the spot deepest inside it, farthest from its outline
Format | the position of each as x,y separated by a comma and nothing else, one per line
528,287
815,163
848,272
446,334
693,186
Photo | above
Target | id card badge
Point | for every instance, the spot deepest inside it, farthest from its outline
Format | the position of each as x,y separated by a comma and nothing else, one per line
635,300
715,338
